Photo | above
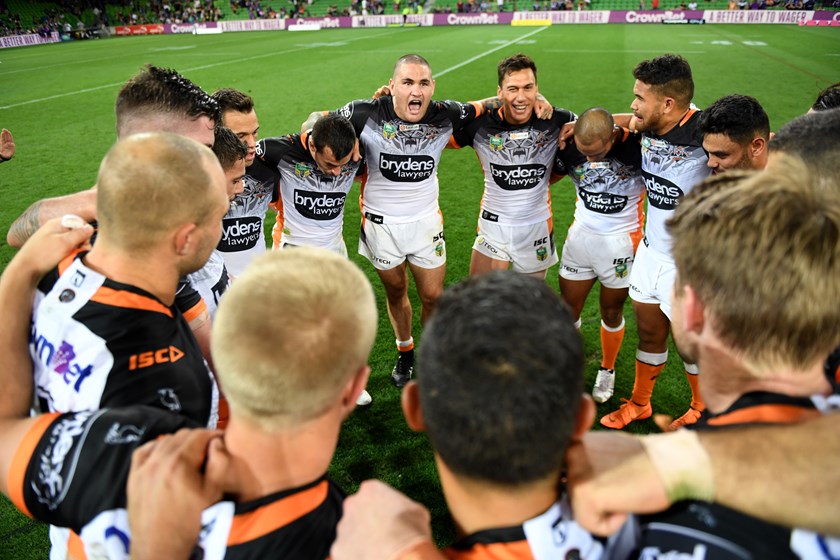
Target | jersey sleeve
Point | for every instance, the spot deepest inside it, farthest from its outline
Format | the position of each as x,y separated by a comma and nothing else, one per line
459,113
72,467
358,111
188,300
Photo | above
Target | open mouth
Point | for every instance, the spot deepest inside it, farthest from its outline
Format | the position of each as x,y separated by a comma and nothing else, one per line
415,105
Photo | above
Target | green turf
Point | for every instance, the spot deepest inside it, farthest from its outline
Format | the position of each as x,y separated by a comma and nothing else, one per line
58,102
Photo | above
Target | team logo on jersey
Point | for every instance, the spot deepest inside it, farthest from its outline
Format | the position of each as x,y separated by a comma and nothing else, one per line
517,177
66,296
389,131
679,153
662,193
169,399
303,170
579,171
120,434
497,143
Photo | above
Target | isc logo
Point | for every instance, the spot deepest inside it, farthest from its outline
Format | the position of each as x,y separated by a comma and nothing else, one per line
162,356
542,241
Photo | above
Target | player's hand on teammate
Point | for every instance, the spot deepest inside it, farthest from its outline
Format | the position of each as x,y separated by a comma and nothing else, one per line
567,131
599,467
380,523
382,92
7,145
543,109
169,486
50,244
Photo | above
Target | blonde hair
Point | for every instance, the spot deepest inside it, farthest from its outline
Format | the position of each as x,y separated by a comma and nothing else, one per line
151,183
762,251
290,332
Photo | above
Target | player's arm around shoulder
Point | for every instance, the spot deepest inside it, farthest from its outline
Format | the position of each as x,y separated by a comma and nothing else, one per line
82,204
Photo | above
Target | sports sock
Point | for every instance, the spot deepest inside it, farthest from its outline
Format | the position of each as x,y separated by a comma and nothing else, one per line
611,338
693,374
406,349
578,323
648,368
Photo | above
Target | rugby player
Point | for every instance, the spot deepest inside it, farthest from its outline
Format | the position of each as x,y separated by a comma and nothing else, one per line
242,230
154,100
268,468
761,355
735,132
604,163
516,151
501,470
673,161
815,139
312,174
403,136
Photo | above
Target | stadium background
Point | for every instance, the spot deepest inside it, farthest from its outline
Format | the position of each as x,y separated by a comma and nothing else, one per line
58,102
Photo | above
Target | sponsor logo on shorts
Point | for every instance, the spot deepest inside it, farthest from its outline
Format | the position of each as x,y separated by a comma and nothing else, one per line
61,361
542,253
570,269
517,177
380,261
406,169
602,203
662,193
239,234
621,271
319,206
482,242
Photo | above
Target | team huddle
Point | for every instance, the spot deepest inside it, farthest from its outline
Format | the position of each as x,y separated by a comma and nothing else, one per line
145,443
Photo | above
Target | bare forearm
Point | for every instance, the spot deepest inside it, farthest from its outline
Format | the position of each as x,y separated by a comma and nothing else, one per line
82,204
799,463
17,289
23,228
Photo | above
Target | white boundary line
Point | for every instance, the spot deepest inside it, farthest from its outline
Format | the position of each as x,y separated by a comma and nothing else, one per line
482,55
206,66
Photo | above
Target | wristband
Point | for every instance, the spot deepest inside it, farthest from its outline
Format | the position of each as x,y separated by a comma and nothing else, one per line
683,465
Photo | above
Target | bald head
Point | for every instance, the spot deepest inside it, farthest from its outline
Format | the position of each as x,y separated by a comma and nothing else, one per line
150,184
594,124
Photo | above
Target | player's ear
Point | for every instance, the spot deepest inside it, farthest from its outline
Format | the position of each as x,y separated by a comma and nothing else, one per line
184,239
758,146
585,417
411,407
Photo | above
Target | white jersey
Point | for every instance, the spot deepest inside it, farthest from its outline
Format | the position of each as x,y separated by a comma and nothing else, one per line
211,281
610,193
403,157
671,165
242,227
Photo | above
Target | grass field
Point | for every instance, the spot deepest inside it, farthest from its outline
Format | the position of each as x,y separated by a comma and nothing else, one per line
58,102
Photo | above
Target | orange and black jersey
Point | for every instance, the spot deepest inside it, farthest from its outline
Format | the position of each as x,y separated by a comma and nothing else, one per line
71,471
694,529
98,343
553,535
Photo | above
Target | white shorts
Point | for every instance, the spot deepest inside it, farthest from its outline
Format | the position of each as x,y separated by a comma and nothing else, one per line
588,255
336,246
652,278
528,248
389,245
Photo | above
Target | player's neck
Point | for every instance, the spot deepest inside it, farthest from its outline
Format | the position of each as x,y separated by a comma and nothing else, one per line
477,506
671,120
726,375
118,265
264,463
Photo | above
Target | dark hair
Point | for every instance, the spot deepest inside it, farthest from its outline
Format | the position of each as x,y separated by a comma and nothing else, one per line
514,64
411,59
164,90
230,99
668,75
829,98
228,147
335,132
740,117
815,139
500,378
